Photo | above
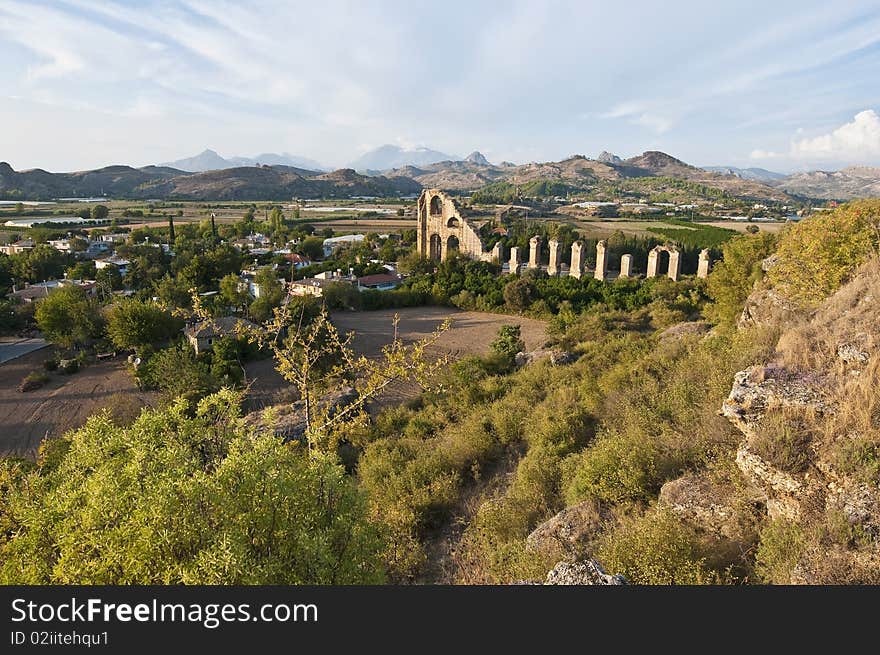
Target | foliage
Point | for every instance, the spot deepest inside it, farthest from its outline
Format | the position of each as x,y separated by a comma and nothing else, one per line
184,497
657,549
819,253
508,342
68,316
779,551
42,262
33,380
177,371
732,279
138,325
519,294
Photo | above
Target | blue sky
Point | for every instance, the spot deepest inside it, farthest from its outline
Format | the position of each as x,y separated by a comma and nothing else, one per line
782,85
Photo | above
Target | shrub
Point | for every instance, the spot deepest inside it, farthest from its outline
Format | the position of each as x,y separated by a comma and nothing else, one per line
783,438
657,549
68,366
51,364
818,254
33,380
780,548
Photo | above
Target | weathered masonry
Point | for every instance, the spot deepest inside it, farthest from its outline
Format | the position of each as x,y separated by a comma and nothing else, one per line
442,230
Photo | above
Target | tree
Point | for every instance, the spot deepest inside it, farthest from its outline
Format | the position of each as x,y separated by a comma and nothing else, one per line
139,325
312,247
170,229
185,495
233,293
38,264
732,279
519,294
508,342
82,270
177,371
109,279
68,316
100,212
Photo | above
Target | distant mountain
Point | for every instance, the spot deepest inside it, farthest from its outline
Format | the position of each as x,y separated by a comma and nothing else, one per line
846,184
387,157
209,160
608,158
239,183
476,157
758,174
659,163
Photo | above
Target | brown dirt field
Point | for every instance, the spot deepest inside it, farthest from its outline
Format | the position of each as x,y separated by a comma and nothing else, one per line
64,403
740,226
470,334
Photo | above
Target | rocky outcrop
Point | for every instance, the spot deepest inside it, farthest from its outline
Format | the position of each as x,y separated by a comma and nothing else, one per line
704,503
767,307
569,533
686,329
557,357
589,572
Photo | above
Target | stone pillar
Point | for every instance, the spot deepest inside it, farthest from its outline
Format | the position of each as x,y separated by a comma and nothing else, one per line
653,259
577,259
601,260
703,264
535,252
514,260
626,265
498,252
555,259
674,264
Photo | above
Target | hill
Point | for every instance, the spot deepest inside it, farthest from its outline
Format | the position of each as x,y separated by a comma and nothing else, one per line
757,174
846,184
240,183
209,160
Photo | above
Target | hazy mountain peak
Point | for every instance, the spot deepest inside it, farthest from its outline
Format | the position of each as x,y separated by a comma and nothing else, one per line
476,157
391,156
754,173
608,158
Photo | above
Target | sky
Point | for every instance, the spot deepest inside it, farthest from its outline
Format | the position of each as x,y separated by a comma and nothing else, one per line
782,85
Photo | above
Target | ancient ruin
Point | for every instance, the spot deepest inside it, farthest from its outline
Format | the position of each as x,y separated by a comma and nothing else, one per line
443,230
674,261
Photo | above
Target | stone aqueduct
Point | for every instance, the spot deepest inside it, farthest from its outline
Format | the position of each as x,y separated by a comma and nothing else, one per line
442,229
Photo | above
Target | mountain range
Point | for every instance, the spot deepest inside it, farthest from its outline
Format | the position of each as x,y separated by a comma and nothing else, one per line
645,175
389,156
209,160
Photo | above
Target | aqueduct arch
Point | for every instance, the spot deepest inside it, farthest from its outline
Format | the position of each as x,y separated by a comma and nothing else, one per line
674,261
442,229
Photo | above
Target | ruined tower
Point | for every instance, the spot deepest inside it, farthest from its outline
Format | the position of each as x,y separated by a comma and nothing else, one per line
442,229
626,265
601,260
577,259
515,260
555,264
535,252
703,264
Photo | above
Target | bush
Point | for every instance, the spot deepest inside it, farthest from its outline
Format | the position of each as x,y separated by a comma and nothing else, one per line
33,380
783,439
818,254
779,551
68,366
50,364
657,549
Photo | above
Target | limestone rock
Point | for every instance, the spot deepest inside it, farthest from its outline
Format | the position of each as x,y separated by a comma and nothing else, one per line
703,503
767,307
852,354
684,329
589,572
569,532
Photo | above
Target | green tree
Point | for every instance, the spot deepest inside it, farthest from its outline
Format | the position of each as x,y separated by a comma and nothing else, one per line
312,247
184,497
732,279
138,325
37,264
519,294
508,342
233,293
68,316
100,212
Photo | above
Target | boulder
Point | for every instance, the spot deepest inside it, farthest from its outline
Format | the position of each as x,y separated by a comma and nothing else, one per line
570,532
589,572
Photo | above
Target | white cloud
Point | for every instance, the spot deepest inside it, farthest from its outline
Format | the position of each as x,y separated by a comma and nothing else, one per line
764,154
857,140
636,114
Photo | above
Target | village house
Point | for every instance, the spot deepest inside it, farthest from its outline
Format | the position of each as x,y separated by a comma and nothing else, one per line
118,263
203,334
34,292
17,247
379,282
